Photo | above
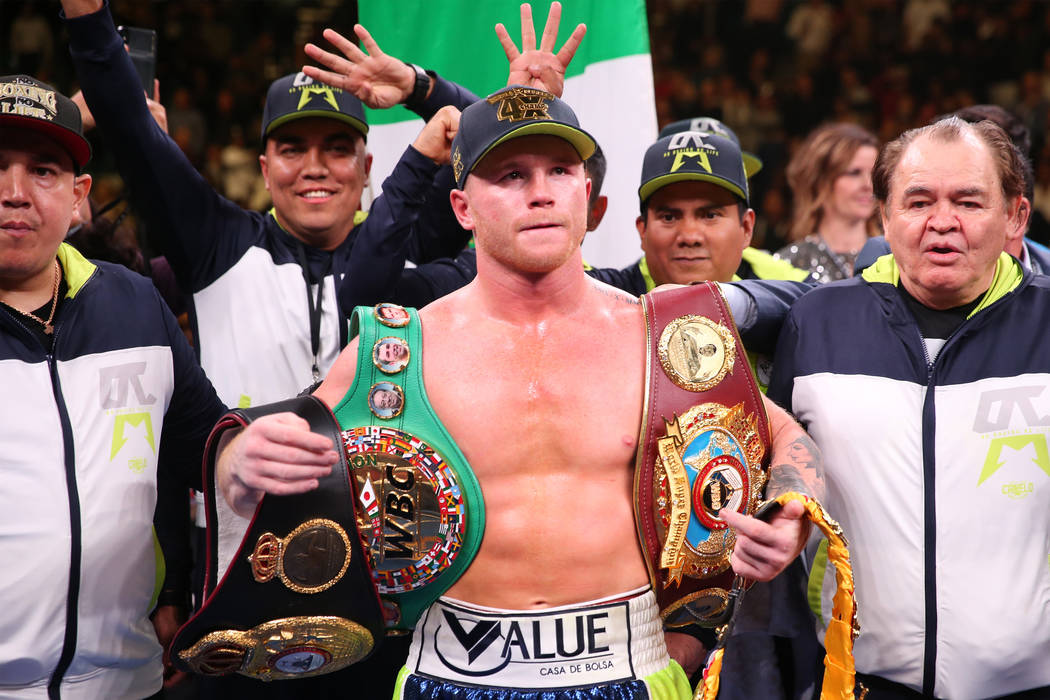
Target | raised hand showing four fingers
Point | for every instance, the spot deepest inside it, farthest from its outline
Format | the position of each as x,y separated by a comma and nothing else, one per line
540,67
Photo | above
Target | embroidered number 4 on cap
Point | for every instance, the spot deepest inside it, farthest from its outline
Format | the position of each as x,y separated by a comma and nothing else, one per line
510,113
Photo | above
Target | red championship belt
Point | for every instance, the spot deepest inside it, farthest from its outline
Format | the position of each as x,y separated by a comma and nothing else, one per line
704,448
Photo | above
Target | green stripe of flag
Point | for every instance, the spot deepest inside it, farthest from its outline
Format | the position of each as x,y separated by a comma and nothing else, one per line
457,38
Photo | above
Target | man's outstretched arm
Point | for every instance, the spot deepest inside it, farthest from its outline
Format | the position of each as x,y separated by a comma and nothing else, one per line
384,240
193,225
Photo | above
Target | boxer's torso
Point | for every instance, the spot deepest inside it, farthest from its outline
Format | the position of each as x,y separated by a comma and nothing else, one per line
547,412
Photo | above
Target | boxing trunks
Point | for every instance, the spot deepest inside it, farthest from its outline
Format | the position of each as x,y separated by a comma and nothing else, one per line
609,648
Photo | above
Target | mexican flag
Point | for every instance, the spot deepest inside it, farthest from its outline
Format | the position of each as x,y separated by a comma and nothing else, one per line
609,85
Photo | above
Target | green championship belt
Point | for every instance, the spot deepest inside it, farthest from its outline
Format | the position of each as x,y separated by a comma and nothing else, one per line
420,510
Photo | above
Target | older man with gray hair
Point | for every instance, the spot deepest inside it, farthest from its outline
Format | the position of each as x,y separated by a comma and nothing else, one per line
923,381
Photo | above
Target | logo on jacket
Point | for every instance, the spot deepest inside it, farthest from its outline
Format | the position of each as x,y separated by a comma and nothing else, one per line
115,382
120,390
995,412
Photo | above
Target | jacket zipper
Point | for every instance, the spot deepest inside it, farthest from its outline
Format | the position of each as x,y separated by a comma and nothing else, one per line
69,642
929,498
929,472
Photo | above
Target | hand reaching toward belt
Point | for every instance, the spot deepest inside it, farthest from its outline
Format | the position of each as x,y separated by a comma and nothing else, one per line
276,454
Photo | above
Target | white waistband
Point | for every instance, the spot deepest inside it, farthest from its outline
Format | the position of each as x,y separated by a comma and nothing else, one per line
568,646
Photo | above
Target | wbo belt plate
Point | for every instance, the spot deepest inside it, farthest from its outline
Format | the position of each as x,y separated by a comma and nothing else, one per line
696,352
291,647
411,511
709,461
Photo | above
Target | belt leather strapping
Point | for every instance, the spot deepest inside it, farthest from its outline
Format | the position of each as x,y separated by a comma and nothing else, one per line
704,447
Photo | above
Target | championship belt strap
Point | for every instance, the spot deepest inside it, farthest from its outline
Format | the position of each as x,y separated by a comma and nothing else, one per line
839,669
297,599
704,447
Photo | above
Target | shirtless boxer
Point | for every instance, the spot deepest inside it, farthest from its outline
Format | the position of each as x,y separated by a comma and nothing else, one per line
537,372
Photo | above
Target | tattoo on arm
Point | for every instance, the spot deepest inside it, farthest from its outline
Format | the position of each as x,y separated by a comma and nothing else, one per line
617,294
799,467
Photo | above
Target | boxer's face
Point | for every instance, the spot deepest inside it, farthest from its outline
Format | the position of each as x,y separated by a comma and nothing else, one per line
38,197
315,169
526,202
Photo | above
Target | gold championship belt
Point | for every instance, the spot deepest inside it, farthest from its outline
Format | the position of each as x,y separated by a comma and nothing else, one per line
297,598
704,449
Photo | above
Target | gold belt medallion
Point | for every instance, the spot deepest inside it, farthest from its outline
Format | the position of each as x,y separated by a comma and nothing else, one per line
291,647
709,461
311,559
696,352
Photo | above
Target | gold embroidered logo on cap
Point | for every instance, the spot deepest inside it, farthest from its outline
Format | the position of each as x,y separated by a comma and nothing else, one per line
457,163
28,100
521,104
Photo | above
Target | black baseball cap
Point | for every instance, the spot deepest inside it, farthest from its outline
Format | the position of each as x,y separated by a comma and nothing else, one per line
710,125
297,96
508,114
691,155
27,103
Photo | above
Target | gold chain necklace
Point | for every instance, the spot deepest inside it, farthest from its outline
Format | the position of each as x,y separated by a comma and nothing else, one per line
48,328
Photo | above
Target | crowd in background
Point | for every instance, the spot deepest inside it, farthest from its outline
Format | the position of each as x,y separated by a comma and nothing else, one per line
771,69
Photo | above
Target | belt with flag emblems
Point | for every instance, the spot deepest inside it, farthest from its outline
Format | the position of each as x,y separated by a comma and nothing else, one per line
419,506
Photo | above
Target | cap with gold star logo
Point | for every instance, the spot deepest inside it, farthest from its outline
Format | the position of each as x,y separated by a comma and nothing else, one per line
693,156
297,96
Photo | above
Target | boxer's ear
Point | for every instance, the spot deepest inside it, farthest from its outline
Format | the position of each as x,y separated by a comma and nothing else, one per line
461,208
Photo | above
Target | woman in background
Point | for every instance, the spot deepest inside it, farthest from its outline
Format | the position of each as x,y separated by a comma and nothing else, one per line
834,208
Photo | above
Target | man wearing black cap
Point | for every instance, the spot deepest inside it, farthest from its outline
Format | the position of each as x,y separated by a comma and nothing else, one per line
551,440
695,221
102,394
726,255
265,318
